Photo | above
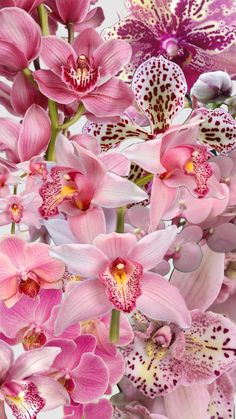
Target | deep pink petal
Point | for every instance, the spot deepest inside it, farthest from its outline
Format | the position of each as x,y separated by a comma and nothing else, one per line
53,87
48,299
55,53
24,94
101,410
94,18
88,224
85,300
35,133
82,259
162,301
151,249
92,379
73,10
8,136
12,56
17,317
201,287
115,191
112,56
23,31
86,42
110,99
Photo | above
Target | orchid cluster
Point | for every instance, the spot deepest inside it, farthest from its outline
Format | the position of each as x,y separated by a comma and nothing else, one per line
118,244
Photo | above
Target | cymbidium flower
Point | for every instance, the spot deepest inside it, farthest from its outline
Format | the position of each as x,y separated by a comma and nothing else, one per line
31,322
27,5
162,356
23,141
22,208
196,36
118,270
84,72
25,268
82,373
23,388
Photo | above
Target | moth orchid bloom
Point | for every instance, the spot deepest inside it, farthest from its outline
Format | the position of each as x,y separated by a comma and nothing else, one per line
117,266
23,141
197,37
31,322
19,43
100,410
22,208
82,373
25,268
23,388
162,356
77,12
80,185
84,72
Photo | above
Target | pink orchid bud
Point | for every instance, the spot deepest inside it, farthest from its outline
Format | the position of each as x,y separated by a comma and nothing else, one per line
212,86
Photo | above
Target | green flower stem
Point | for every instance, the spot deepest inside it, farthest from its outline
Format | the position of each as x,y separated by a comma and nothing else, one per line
145,179
28,73
115,315
43,19
70,29
13,225
76,117
53,113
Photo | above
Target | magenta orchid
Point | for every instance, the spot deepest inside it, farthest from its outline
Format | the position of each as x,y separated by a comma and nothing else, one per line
197,37
85,73
117,209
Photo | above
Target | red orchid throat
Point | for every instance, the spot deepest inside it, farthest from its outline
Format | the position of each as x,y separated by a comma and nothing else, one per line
81,76
29,284
122,280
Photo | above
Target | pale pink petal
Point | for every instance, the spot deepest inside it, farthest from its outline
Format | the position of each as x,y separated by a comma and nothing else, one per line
39,261
101,410
92,379
59,231
88,224
223,238
13,247
6,355
35,133
222,397
2,411
24,94
162,301
151,249
115,191
115,245
86,42
71,333
146,155
8,281
23,31
189,257
155,78
116,163
162,198
111,56
33,362
82,259
110,99
48,299
19,316
48,388
5,92
8,136
188,402
84,301
201,287
73,10
53,87
87,141
55,53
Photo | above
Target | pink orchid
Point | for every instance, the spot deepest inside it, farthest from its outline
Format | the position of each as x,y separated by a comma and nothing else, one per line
85,73
196,38
31,322
19,42
7,179
79,186
82,373
22,208
76,12
171,357
21,95
23,141
23,387
27,5
185,251
25,268
117,267
227,168
100,410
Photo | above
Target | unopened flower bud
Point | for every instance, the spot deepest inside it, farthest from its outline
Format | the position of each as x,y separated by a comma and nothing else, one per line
212,86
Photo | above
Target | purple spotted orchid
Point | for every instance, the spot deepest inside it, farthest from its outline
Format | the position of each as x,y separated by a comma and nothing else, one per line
117,270
198,37
162,356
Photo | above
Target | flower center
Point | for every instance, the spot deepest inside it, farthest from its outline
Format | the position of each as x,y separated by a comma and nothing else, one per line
68,383
34,339
122,279
170,45
80,75
29,284
23,399
16,212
